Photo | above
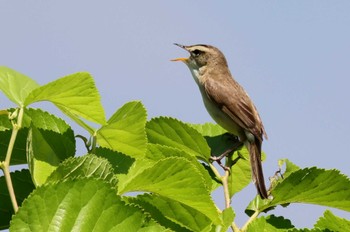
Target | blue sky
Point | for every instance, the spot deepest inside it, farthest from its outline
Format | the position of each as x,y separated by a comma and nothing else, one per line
292,57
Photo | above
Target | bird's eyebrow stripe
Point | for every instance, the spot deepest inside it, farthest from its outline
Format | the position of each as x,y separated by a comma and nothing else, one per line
199,47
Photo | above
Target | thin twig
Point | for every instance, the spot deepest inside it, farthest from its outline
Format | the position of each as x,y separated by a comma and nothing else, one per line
234,227
224,179
5,166
215,171
5,169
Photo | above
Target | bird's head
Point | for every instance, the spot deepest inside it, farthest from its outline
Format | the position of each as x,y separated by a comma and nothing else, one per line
202,55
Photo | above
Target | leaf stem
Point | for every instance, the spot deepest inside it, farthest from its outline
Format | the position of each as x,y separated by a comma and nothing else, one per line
94,142
234,227
215,171
5,165
255,214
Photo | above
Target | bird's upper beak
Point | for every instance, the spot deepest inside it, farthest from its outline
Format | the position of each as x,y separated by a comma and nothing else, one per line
183,59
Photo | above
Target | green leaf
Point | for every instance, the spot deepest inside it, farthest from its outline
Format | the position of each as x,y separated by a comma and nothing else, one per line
279,176
19,148
314,186
172,214
125,130
209,129
174,178
75,94
332,223
50,141
120,162
42,159
174,133
83,167
310,185
23,186
228,215
290,167
80,205
157,152
15,85
61,136
270,224
240,173
5,123
217,138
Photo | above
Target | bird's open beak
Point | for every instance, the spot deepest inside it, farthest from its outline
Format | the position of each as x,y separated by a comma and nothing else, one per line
183,59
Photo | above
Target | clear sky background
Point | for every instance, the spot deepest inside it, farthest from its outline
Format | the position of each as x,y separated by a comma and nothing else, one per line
292,57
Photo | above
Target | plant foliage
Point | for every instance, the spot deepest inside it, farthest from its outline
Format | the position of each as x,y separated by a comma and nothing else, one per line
136,175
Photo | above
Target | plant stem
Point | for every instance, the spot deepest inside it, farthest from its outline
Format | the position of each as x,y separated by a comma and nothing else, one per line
215,171
256,213
5,166
5,169
226,191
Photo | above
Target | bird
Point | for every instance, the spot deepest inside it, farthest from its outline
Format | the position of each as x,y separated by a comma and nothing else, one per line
228,103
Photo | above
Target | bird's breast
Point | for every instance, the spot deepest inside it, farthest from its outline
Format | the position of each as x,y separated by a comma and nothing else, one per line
220,117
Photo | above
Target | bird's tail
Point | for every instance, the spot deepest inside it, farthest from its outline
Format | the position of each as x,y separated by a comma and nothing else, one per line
257,172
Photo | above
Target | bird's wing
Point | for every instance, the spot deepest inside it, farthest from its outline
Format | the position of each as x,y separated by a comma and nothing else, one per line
234,101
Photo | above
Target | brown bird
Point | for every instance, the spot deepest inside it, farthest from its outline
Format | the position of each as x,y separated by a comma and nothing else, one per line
228,103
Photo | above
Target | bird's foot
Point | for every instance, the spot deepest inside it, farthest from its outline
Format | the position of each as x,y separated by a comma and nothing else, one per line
218,159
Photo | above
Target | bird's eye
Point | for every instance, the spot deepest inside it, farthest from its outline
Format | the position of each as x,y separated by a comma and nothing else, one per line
196,52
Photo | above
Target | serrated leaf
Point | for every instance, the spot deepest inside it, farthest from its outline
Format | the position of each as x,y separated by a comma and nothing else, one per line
217,138
76,94
119,161
19,148
16,86
42,160
172,214
209,129
5,123
77,119
228,216
46,121
125,130
22,185
332,223
173,133
270,224
309,185
290,167
315,186
174,178
62,140
156,152
50,141
88,166
80,205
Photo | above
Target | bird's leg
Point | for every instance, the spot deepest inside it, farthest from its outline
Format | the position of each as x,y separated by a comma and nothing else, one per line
219,158
224,154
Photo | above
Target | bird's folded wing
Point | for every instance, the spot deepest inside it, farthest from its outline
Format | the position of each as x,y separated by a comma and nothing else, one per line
234,101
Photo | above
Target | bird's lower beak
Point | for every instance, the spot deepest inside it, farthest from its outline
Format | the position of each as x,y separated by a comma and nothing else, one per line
183,59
